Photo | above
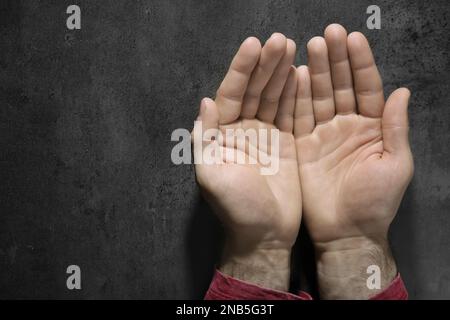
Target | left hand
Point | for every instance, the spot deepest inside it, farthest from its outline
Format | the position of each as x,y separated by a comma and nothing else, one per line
261,213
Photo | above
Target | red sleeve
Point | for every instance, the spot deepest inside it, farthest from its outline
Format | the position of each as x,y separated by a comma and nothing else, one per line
395,291
224,287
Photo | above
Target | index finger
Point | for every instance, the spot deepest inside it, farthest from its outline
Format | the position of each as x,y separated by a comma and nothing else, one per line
231,92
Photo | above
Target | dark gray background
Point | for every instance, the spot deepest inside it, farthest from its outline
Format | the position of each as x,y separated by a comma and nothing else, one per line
85,124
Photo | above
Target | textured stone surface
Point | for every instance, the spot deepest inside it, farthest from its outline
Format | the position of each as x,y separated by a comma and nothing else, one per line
85,124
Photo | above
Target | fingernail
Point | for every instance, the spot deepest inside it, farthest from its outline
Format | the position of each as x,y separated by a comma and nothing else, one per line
203,105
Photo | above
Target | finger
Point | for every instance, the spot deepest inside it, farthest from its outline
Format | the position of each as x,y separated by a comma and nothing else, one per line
231,92
341,73
271,55
303,115
321,85
206,129
366,78
395,122
208,118
271,94
285,116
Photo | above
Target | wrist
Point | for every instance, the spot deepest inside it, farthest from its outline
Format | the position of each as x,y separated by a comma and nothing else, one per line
354,268
265,267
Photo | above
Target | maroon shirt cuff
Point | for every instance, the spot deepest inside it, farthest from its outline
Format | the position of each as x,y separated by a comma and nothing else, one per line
395,291
224,287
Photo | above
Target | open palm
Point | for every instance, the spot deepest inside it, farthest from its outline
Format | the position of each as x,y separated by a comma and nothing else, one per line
353,150
259,88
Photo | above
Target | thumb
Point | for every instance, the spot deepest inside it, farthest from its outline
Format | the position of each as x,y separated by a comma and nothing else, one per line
395,122
209,114
208,119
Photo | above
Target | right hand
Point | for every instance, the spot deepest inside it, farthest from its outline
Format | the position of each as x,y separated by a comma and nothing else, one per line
354,156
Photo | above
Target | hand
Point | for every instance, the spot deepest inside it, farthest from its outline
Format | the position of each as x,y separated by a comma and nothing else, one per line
261,213
355,161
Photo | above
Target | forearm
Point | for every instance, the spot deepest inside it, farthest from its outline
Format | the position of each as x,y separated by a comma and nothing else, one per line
269,268
342,267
